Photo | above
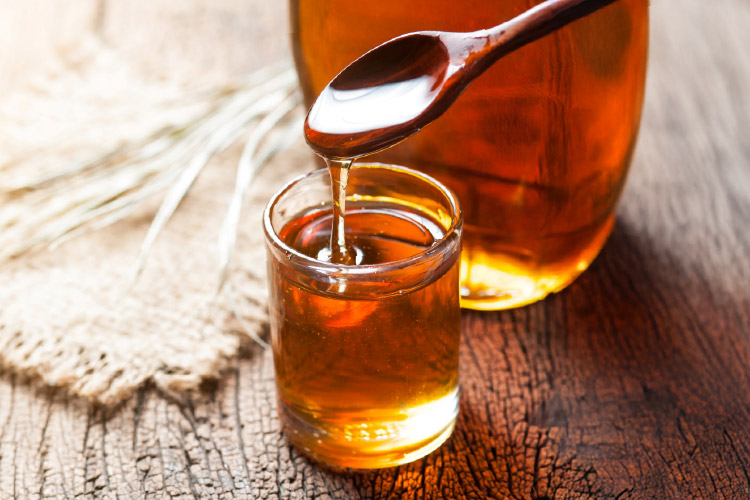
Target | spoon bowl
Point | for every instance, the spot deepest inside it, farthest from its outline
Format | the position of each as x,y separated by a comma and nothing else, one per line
380,99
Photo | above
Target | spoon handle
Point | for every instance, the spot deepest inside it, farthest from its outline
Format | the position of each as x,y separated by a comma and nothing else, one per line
533,24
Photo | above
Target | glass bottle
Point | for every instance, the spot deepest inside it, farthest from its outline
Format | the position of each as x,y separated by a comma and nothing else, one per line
537,149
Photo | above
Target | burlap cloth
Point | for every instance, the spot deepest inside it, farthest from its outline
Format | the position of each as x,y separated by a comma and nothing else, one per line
66,315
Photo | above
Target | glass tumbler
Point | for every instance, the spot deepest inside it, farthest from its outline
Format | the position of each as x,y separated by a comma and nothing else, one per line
366,355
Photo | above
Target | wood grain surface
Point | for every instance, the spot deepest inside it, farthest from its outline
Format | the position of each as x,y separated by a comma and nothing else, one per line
632,383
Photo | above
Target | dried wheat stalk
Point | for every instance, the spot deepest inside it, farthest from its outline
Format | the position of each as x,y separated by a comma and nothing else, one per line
42,207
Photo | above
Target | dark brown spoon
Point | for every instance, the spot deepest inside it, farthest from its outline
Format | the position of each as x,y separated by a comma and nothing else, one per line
402,85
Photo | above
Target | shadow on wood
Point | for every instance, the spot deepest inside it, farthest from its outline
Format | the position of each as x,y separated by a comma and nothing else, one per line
623,369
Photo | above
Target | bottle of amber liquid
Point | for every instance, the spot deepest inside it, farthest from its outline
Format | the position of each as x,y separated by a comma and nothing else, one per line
537,148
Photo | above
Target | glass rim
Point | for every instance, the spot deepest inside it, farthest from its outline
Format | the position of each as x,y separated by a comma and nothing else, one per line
361,270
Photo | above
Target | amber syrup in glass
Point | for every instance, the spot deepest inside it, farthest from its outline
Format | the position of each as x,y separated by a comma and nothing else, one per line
366,379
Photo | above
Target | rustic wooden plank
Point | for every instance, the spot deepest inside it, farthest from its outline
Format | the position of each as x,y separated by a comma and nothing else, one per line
632,383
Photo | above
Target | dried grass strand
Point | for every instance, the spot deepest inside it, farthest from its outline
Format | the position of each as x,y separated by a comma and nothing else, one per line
48,209
248,166
223,137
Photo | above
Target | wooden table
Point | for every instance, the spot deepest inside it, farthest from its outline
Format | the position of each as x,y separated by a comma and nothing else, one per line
632,383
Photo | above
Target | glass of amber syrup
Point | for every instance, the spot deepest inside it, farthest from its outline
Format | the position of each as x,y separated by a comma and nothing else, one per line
366,355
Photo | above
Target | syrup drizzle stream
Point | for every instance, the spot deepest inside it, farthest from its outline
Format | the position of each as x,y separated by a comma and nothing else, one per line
341,253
